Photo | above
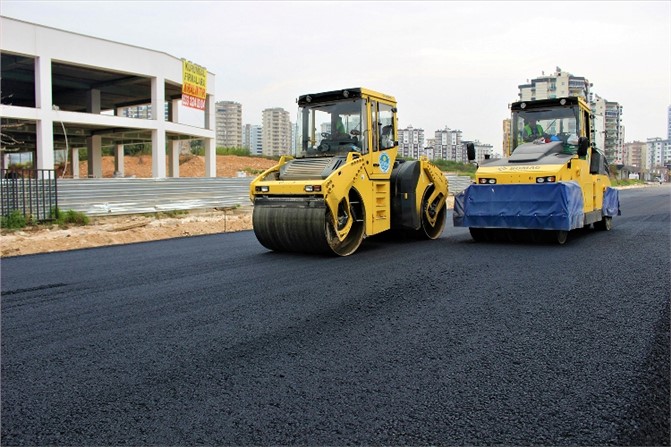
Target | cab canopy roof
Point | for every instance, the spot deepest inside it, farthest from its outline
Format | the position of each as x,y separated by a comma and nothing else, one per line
551,102
338,95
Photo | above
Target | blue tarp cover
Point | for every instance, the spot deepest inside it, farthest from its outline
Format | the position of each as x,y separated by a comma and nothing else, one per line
546,206
611,202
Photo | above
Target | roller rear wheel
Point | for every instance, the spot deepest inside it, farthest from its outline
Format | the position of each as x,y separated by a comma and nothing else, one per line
478,234
351,242
561,236
428,230
604,224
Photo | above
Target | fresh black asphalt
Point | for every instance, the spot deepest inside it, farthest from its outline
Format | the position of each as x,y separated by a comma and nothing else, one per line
214,340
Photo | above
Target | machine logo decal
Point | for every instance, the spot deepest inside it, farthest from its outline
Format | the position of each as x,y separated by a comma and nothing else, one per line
384,162
519,168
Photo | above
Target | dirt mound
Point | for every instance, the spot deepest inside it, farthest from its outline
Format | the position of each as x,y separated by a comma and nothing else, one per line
189,166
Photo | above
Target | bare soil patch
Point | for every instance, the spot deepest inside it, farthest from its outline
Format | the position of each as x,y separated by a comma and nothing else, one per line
189,166
113,230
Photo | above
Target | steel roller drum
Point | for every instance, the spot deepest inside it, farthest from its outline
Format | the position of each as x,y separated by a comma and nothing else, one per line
304,226
293,228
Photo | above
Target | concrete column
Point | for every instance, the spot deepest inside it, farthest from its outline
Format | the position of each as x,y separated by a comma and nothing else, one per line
94,144
173,160
158,138
173,164
44,131
44,126
210,158
95,156
118,161
210,109
174,111
74,152
210,145
93,101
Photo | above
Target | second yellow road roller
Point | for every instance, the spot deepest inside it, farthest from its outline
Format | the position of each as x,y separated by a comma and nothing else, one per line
554,181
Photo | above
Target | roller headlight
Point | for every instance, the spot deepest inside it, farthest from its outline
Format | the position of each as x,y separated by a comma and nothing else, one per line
546,179
487,181
262,188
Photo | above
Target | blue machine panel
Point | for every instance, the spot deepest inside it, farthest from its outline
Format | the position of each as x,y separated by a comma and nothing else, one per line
611,202
546,206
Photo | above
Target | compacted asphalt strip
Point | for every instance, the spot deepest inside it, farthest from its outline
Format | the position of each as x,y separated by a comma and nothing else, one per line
214,340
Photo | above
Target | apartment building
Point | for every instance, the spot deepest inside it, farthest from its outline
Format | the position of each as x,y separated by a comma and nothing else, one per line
449,146
598,137
228,116
507,141
252,139
659,152
483,151
635,154
556,85
410,142
614,133
276,133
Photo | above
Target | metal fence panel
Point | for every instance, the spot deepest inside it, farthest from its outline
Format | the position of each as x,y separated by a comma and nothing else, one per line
33,192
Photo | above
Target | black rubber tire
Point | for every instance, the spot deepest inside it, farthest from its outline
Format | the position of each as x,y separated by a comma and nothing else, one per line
604,224
353,239
561,236
428,231
478,234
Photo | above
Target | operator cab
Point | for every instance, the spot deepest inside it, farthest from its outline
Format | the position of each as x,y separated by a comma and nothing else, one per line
546,121
336,123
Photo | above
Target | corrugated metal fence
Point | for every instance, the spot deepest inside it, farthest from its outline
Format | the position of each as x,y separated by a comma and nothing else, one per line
33,192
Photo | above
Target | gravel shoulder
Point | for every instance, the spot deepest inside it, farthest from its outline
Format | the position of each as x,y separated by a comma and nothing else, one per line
114,230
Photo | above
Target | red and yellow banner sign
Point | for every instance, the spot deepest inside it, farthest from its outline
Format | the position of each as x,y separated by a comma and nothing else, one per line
194,85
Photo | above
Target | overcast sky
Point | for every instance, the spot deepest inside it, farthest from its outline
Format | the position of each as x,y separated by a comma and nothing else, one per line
454,64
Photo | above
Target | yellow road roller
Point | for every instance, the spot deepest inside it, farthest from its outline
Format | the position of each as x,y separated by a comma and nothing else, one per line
554,181
344,181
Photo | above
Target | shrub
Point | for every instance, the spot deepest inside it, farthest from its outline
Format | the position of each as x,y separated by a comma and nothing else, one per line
454,166
626,182
172,213
239,151
252,171
70,217
15,220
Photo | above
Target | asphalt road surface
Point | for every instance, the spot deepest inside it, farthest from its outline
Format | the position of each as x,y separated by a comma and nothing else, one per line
214,340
